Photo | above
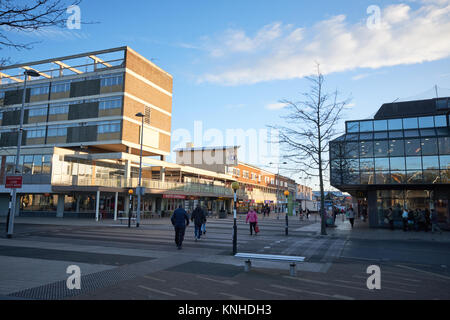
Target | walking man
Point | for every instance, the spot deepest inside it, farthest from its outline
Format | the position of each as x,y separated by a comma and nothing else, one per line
198,217
180,220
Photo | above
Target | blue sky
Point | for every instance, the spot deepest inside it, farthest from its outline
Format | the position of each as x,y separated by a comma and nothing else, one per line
233,60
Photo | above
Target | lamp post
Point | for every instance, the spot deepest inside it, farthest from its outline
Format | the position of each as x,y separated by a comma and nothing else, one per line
139,189
278,174
130,207
12,212
235,187
286,193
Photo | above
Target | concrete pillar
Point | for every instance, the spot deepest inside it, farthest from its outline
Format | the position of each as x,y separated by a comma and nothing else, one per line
154,205
77,208
97,205
116,200
126,204
60,206
163,174
372,208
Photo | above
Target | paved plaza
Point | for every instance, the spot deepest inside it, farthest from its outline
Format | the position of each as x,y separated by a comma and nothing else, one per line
118,262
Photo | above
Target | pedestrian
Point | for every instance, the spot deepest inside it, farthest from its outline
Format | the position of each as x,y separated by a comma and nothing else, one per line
390,218
427,219
198,217
180,220
405,220
351,216
410,220
434,222
252,218
307,214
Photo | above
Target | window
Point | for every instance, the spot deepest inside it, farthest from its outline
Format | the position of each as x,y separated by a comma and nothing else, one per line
380,125
108,127
35,91
381,148
396,148
366,164
444,145
395,134
37,112
430,162
412,147
113,80
110,104
352,126
426,122
410,123
10,163
380,135
366,126
37,164
57,131
413,163
351,150
397,164
411,133
395,124
36,133
440,121
382,164
366,149
59,108
60,87
429,146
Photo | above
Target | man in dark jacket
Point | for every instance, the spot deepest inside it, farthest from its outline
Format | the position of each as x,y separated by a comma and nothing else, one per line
180,220
199,217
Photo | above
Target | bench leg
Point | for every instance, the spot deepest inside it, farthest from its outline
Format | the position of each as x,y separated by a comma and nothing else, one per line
247,265
293,270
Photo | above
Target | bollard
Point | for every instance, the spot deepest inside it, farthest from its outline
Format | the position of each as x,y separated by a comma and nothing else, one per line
293,271
247,265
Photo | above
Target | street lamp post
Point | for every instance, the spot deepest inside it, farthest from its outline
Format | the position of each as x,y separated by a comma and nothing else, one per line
138,213
235,187
286,193
12,212
278,174
130,207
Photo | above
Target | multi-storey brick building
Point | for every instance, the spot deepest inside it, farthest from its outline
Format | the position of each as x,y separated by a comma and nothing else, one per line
81,141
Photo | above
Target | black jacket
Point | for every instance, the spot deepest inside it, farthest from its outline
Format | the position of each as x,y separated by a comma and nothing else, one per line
198,216
180,218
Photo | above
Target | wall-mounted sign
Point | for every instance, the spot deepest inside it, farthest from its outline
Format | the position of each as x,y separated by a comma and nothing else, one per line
13,182
174,196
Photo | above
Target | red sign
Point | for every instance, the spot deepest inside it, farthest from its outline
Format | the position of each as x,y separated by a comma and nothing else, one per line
173,196
13,182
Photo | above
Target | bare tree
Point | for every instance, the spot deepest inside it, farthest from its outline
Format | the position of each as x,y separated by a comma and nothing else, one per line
310,125
31,15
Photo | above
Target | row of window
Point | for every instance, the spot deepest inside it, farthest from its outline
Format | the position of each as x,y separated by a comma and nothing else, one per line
396,124
30,164
393,148
395,177
397,134
394,163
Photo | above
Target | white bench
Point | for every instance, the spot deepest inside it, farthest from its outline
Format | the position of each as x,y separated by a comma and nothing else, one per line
249,256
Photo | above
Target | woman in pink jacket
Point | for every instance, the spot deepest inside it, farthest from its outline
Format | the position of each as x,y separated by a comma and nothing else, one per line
252,217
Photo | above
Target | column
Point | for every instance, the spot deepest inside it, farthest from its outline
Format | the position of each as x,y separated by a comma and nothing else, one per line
60,206
116,200
154,205
163,174
97,205
77,208
126,204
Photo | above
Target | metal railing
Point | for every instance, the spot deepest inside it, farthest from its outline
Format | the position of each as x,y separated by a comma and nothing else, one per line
119,182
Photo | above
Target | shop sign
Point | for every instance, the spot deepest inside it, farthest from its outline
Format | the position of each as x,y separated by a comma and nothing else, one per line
13,182
174,196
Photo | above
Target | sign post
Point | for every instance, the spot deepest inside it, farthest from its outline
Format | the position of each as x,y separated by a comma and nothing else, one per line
12,182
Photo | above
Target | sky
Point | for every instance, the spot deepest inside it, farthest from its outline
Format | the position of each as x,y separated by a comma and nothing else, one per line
233,61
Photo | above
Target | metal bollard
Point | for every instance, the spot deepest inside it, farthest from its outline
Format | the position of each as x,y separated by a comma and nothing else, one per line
293,271
247,266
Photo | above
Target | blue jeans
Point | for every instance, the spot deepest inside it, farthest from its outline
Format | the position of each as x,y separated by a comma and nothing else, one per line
197,231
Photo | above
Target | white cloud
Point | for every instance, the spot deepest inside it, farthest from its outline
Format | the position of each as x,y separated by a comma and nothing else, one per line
279,52
275,106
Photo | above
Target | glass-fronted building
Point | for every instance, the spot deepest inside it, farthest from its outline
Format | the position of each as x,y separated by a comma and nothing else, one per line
399,159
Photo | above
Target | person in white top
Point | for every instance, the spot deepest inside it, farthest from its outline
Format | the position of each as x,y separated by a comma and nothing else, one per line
351,216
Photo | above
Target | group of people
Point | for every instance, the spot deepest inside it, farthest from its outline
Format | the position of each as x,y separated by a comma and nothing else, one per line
180,220
417,220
